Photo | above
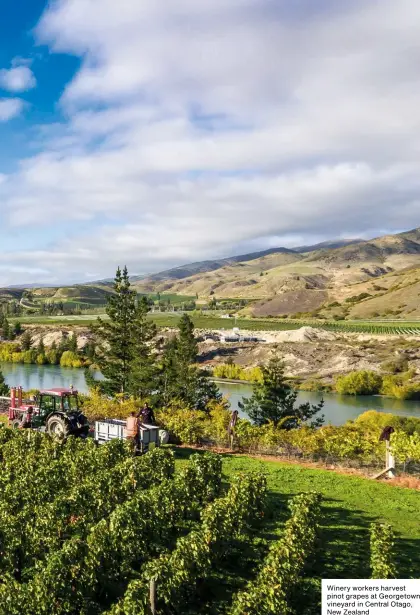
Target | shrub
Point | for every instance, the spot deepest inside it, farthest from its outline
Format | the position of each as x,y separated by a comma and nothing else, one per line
231,371
96,407
70,359
400,386
362,382
315,385
395,366
186,426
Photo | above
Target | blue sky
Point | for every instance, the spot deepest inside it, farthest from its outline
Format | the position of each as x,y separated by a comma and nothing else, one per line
153,133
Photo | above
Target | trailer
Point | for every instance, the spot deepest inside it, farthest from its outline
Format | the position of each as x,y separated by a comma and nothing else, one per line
150,436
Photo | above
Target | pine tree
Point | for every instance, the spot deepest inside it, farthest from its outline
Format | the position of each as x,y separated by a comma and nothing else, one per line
26,341
89,350
63,346
274,400
6,329
72,344
17,328
187,343
41,347
115,337
144,369
4,389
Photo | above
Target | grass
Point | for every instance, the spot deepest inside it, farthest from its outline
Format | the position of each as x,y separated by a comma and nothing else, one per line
350,504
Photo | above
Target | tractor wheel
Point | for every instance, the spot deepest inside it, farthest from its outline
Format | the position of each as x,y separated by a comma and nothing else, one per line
57,427
15,424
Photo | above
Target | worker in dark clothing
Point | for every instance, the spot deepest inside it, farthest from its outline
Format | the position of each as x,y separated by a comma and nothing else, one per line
231,427
146,415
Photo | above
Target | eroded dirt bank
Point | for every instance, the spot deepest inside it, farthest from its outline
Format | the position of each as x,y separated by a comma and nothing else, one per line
307,352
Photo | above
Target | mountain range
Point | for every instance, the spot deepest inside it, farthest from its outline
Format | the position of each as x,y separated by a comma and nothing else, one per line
378,277
344,278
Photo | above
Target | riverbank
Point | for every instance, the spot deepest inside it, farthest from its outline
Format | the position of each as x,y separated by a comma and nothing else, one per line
337,409
310,355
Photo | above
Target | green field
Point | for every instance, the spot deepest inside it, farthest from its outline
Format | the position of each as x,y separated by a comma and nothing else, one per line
349,505
166,319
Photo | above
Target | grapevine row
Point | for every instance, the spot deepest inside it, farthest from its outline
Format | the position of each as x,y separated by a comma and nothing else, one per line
36,532
381,551
268,594
86,574
221,521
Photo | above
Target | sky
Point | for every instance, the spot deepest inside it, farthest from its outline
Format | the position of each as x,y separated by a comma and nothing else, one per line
153,133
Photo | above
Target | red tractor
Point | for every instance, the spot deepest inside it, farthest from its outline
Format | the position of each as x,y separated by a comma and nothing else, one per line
55,411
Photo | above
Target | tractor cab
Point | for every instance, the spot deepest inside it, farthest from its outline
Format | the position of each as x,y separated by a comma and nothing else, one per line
55,411
57,400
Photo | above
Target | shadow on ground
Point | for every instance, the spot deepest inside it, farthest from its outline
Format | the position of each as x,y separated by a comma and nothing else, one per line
342,552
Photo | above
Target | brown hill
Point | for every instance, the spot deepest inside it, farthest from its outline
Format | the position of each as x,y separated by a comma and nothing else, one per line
286,282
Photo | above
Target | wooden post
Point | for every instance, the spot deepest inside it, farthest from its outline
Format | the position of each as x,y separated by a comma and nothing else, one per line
152,595
390,461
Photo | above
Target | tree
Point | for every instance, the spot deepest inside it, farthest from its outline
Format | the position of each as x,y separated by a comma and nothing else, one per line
181,379
17,328
6,329
26,341
72,344
115,337
4,389
89,350
41,347
143,380
63,345
187,343
274,400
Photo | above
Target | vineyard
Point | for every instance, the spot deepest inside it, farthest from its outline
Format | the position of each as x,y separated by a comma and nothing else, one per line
92,530
250,324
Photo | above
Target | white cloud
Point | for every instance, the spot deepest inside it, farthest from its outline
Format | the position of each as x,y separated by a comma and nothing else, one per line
17,79
196,127
10,108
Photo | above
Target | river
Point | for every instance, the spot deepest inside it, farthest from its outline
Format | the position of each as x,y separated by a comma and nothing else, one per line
337,410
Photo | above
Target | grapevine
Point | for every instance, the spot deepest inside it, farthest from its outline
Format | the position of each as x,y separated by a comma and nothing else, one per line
268,594
381,551
89,570
194,554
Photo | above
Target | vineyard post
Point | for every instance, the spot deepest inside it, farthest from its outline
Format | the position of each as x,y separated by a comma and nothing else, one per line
390,460
152,593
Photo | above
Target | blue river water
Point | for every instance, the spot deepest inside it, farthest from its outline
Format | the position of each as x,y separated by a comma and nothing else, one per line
337,409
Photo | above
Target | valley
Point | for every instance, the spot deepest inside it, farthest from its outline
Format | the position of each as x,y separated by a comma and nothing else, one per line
347,280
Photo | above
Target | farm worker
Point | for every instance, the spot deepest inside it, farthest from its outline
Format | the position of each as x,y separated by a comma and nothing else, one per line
231,427
146,415
26,420
132,427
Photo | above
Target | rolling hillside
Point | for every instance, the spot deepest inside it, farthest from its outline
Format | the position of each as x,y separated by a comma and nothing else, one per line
284,282
379,278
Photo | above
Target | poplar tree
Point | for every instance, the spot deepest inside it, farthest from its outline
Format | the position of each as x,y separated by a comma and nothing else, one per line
274,400
115,337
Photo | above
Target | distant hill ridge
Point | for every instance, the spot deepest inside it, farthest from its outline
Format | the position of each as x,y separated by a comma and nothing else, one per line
361,278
